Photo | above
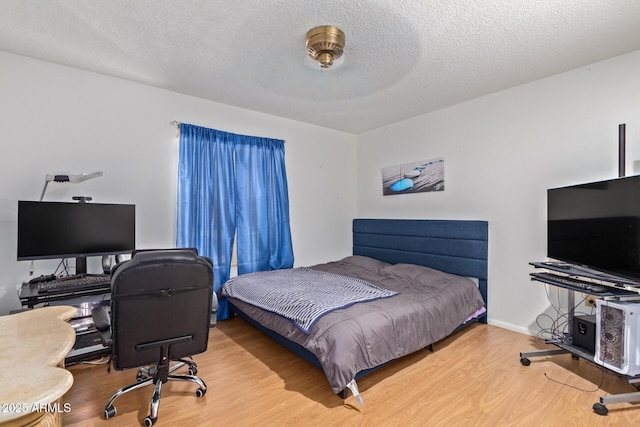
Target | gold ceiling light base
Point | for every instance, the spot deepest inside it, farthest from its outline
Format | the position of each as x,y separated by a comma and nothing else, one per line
325,44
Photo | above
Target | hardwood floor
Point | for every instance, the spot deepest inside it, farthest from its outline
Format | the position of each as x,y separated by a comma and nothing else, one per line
473,378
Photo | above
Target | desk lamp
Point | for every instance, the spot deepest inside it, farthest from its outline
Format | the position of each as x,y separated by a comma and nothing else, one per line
74,179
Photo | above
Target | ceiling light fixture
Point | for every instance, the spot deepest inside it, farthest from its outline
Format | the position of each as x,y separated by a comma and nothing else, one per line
325,44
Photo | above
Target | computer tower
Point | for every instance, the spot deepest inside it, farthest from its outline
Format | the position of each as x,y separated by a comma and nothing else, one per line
618,336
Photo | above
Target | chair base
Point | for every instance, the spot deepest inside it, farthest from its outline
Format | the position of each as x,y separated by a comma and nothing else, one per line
148,376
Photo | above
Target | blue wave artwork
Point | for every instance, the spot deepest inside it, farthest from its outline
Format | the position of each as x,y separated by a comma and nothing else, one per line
415,177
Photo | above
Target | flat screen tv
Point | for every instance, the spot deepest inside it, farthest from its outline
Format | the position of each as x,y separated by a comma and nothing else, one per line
596,225
48,230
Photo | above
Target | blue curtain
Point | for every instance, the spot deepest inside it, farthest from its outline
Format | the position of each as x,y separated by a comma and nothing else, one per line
230,184
264,237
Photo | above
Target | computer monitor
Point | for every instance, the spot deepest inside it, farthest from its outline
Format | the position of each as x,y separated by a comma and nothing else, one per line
50,230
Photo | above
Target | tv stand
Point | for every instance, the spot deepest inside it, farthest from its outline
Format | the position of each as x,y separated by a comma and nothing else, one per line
616,291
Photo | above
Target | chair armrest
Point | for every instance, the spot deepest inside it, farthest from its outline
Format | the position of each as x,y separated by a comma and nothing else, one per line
102,322
214,309
214,303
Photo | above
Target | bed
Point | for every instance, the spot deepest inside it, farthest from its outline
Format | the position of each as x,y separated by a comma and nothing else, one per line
423,280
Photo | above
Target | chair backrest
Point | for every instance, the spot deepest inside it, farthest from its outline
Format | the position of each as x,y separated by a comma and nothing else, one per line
160,297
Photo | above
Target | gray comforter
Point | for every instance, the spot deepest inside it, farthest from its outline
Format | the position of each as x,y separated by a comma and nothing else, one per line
302,295
429,306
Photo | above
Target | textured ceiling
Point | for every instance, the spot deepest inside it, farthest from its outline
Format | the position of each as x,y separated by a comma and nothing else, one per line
402,57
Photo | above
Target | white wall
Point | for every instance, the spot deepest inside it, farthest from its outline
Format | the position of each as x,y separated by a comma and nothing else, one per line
501,153
55,119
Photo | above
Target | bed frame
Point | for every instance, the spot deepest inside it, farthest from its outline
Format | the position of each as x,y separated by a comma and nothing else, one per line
454,246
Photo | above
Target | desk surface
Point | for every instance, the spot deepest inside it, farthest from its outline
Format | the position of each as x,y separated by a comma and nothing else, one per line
33,346
616,286
30,296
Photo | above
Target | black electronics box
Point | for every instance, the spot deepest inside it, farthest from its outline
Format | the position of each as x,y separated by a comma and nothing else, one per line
584,332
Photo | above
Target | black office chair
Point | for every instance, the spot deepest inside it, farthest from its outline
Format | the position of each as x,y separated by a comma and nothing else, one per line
161,308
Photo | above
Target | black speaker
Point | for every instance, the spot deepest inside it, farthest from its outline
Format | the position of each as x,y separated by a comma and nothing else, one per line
584,332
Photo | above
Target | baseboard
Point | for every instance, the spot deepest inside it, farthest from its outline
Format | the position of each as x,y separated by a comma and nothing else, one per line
510,327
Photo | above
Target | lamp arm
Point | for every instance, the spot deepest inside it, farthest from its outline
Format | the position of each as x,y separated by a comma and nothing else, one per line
74,179
44,189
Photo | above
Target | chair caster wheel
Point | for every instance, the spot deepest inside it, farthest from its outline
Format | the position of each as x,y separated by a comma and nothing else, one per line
109,411
600,409
193,370
525,361
148,422
201,392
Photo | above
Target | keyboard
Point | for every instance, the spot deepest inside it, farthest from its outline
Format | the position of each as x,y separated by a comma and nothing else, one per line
570,281
76,284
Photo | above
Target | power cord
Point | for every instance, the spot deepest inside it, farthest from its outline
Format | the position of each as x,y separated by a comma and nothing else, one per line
558,331
598,387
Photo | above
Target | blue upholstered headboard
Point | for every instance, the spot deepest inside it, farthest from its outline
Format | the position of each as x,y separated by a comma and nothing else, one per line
454,246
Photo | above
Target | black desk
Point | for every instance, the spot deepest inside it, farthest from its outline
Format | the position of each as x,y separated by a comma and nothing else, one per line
87,344
616,288
30,297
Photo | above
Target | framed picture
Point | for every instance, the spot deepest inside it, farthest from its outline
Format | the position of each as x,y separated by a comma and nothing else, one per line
414,177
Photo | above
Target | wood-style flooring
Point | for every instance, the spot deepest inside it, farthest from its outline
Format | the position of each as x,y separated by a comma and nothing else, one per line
474,378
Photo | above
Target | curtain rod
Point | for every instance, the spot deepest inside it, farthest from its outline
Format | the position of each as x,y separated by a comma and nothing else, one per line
177,123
